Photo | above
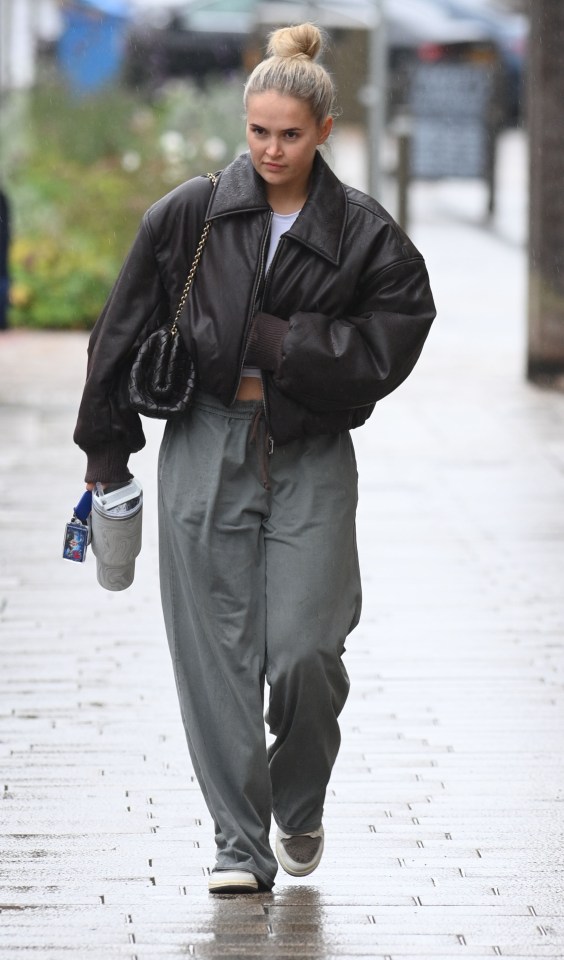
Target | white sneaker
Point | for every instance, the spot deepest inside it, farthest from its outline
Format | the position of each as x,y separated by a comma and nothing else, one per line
299,854
232,881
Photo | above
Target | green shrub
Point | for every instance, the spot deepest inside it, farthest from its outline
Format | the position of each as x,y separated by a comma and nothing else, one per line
81,176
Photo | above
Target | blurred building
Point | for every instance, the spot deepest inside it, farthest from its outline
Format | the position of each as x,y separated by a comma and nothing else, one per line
25,26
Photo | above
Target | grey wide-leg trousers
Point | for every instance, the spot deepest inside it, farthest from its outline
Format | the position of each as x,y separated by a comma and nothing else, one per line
259,581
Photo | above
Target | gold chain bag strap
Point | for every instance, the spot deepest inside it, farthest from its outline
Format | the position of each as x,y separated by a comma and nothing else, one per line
162,378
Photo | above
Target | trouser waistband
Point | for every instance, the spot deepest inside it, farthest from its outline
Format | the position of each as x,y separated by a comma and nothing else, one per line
239,410
250,410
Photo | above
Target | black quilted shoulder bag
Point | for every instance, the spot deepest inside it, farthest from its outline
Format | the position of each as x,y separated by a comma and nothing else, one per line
162,376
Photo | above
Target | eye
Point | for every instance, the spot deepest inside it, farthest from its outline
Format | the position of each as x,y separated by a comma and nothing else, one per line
258,131
292,134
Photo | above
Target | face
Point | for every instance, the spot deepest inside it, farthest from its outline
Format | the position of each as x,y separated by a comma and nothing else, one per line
283,136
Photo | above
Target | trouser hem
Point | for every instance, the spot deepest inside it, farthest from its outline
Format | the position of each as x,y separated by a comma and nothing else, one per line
293,831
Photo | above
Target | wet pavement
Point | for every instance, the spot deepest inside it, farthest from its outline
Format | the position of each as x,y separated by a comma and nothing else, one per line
445,814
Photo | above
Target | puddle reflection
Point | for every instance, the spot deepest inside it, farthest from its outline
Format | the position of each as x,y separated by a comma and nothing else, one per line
291,918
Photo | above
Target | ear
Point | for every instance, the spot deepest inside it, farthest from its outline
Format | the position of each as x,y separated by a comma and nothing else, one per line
325,130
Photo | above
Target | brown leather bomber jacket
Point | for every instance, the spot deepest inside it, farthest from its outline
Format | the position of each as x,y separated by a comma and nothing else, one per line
337,323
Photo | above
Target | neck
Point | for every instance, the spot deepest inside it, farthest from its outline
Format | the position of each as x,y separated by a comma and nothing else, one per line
285,202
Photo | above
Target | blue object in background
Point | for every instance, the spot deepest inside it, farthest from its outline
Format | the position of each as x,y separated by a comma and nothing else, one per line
91,47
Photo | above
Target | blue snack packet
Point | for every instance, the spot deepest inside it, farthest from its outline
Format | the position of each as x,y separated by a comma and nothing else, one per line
77,531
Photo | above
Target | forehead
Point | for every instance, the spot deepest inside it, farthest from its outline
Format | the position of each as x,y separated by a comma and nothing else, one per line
277,110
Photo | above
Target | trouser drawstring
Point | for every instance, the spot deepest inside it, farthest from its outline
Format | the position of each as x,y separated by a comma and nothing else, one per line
259,436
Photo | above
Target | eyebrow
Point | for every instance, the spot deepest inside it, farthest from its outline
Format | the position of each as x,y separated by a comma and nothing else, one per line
255,123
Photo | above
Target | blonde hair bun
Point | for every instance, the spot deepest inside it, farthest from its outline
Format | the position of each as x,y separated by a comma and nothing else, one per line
290,69
304,40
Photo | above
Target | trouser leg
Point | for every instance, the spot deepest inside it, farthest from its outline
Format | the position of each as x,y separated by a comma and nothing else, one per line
313,599
211,505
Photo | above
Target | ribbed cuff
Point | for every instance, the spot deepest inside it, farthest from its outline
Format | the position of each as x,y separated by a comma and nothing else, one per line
264,349
108,464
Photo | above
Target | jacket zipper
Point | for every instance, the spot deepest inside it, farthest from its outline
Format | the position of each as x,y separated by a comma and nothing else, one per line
269,273
270,440
254,301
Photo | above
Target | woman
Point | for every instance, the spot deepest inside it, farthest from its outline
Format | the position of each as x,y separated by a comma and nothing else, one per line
308,306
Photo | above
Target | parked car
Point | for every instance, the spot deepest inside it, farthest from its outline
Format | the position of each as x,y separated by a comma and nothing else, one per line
187,39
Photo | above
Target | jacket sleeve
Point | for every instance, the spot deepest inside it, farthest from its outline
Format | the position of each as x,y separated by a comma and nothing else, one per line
342,362
107,429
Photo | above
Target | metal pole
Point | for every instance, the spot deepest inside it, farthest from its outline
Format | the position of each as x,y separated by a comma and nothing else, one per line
404,144
377,83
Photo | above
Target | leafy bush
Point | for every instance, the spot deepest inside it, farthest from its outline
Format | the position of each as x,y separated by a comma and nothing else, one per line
83,172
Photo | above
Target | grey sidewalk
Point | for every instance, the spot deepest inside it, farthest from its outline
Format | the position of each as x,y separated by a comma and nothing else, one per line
445,815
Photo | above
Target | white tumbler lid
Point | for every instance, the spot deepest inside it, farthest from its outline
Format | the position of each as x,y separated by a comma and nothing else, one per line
124,502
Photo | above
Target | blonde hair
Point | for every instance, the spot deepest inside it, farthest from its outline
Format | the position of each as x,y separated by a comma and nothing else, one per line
290,69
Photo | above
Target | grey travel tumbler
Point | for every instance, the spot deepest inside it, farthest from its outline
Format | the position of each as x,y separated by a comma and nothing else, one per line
116,533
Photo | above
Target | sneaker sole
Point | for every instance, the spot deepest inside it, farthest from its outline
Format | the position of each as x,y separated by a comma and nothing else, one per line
233,881
292,867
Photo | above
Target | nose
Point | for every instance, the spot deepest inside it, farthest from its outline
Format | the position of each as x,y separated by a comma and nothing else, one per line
273,149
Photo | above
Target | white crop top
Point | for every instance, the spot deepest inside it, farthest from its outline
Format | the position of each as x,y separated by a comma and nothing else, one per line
281,223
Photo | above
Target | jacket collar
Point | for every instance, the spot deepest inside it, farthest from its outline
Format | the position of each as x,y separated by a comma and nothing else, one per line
321,223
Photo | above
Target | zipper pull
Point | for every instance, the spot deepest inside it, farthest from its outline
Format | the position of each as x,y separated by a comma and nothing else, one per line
270,446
